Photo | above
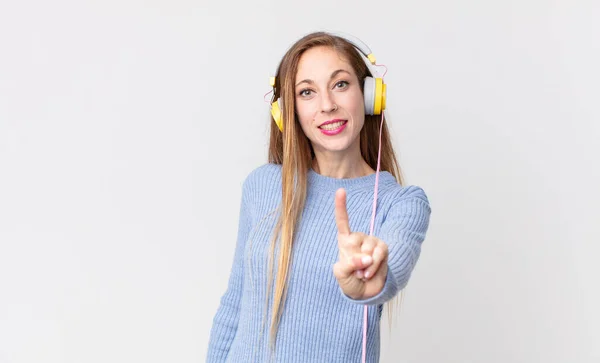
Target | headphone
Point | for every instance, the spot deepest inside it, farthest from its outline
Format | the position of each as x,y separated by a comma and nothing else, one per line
374,88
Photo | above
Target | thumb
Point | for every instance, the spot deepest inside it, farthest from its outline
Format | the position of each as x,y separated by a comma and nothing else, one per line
341,214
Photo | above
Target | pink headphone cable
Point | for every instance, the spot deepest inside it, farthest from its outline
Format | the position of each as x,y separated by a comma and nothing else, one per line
366,308
364,347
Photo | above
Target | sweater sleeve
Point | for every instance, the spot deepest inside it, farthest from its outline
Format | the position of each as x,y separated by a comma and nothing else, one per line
225,321
403,230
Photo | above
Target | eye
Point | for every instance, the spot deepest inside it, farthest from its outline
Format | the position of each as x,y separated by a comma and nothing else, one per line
343,84
304,93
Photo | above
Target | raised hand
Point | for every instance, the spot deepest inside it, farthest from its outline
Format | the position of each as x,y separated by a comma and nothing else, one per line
362,267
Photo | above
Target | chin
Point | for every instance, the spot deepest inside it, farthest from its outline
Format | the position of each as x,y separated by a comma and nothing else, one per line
334,146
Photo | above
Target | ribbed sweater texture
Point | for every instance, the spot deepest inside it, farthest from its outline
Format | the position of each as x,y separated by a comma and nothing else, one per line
319,322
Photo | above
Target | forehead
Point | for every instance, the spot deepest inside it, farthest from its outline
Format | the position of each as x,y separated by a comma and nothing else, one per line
320,61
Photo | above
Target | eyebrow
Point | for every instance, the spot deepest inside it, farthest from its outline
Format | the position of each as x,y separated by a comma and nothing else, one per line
335,73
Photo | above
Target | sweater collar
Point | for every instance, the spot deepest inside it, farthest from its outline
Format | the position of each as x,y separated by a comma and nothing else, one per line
318,182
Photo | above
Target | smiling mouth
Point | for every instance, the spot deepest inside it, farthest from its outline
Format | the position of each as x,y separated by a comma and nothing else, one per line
333,125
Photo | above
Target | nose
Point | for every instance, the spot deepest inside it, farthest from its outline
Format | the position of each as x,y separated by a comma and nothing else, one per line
327,103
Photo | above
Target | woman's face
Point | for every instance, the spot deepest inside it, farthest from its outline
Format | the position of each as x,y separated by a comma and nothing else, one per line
325,80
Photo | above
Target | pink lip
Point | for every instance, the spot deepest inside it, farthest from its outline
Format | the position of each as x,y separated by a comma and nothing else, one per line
334,131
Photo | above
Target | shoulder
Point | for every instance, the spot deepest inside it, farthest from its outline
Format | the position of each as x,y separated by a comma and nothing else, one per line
407,194
264,173
412,192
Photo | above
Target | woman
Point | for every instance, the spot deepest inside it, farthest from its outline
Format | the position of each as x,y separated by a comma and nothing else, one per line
305,264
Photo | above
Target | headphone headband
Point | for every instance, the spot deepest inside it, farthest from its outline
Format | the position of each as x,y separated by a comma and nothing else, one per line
357,43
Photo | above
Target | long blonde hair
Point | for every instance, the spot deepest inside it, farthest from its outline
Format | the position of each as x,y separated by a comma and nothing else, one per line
292,149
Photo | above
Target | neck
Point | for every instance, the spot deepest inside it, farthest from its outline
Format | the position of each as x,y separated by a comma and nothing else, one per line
341,164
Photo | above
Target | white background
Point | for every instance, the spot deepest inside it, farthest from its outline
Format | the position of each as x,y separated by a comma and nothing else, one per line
127,128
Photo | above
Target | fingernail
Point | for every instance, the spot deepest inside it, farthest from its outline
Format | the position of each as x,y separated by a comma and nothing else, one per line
359,274
368,274
366,259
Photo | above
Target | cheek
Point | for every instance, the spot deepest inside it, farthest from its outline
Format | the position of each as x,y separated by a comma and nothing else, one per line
305,115
353,101
358,109
360,99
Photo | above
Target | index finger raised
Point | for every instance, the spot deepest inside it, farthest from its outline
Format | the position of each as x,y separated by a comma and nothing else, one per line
341,214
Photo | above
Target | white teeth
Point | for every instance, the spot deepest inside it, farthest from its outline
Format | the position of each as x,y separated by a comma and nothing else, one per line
332,126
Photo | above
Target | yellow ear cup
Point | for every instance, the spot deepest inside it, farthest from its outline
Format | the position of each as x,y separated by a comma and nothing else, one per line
379,96
276,108
383,97
276,113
